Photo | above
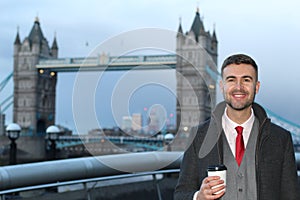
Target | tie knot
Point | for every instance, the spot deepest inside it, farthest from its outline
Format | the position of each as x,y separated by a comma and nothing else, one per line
239,129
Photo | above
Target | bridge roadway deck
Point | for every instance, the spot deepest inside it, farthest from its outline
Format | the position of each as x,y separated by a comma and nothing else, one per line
113,63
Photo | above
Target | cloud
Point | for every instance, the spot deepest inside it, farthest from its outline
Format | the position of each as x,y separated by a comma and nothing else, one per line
268,30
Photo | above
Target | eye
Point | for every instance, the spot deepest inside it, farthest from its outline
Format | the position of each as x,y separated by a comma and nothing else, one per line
247,80
230,80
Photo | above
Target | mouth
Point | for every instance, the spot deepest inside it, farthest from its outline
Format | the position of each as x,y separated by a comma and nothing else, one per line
239,95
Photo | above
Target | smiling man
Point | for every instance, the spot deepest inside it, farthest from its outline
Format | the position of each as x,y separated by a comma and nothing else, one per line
258,154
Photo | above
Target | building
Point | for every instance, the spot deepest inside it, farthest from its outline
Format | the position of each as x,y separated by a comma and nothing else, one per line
34,92
137,122
197,52
157,121
126,123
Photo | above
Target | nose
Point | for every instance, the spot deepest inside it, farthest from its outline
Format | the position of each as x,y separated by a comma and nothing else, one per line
239,84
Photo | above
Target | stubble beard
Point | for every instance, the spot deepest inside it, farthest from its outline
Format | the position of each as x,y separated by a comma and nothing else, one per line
240,107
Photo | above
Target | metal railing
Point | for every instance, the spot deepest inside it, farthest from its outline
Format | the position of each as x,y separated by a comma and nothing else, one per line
26,177
42,175
88,189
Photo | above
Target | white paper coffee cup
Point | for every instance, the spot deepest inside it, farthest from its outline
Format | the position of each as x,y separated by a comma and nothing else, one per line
217,170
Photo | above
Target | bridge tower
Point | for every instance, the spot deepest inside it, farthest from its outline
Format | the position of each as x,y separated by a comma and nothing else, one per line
34,91
196,52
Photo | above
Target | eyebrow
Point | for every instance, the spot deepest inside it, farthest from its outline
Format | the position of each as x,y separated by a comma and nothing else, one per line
246,76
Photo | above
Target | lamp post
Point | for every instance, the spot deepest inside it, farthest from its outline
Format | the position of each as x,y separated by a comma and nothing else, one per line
13,132
52,135
168,138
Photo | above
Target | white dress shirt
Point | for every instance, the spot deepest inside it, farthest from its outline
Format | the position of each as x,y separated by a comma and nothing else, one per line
229,129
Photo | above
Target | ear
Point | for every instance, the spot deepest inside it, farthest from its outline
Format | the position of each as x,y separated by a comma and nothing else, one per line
221,85
257,86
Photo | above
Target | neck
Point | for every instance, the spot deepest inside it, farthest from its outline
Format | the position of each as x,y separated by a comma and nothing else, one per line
239,116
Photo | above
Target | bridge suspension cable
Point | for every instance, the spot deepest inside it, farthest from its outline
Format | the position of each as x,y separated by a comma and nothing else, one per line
282,119
287,124
5,81
9,100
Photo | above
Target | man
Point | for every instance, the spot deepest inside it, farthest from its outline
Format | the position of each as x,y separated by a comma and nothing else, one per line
259,155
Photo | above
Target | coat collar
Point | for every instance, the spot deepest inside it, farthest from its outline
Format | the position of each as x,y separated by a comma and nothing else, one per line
259,113
214,132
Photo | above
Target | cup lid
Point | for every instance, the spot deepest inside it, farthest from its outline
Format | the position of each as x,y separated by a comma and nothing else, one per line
216,168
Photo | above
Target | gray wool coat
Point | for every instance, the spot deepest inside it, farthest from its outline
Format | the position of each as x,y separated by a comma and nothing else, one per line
276,171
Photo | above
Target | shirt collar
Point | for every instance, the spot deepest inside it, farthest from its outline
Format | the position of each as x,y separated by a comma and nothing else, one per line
229,124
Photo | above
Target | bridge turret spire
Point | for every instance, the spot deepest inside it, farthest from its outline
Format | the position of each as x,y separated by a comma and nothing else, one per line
17,40
197,26
37,20
180,27
17,43
36,34
54,48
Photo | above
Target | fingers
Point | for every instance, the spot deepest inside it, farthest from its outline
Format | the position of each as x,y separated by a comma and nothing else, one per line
218,189
212,187
212,181
210,178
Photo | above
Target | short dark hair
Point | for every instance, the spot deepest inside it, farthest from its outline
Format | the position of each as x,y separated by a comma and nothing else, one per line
239,59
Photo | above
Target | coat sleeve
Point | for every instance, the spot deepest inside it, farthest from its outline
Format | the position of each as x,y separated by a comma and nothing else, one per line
193,168
289,186
188,182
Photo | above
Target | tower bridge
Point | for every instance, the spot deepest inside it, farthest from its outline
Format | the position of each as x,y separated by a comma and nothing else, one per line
36,65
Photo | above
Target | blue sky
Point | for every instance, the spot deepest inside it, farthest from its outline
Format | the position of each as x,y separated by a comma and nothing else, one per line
267,30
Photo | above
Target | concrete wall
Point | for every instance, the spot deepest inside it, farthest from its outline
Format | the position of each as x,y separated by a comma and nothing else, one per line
29,149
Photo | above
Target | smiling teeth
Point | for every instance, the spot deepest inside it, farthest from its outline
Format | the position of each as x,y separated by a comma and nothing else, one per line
239,95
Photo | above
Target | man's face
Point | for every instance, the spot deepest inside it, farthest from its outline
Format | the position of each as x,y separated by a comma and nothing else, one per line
239,85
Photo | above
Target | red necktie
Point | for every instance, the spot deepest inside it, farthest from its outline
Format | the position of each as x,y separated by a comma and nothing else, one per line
239,145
